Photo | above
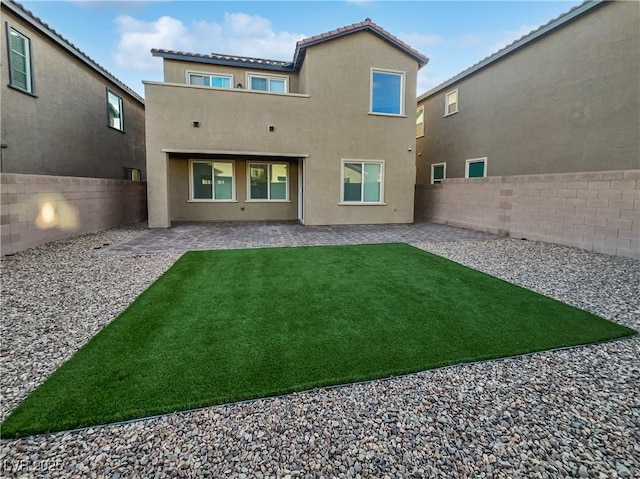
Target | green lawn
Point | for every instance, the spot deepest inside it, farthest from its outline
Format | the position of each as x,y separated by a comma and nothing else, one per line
223,326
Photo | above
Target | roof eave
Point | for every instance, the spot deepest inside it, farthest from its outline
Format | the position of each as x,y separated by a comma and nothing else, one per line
218,61
571,15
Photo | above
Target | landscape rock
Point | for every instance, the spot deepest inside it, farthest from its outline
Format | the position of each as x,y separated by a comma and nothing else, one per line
545,415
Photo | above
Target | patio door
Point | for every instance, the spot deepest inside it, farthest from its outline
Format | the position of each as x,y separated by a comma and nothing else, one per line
301,190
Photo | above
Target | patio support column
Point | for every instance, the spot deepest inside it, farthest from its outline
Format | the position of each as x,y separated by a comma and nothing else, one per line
158,190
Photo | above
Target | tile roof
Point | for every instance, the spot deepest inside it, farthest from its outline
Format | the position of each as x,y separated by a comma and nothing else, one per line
533,35
45,29
300,52
366,25
221,59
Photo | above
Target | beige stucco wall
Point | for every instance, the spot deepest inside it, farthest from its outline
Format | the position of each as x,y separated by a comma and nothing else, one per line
566,102
175,71
82,205
329,124
62,129
598,211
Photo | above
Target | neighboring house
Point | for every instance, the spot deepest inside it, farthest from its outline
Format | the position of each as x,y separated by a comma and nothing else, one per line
66,121
541,140
563,98
324,139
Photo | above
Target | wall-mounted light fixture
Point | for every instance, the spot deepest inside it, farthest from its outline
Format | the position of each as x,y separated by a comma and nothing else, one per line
271,128
196,124
239,86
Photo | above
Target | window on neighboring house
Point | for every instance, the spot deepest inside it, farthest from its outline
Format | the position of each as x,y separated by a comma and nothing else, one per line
212,180
20,75
268,181
212,80
276,84
362,181
387,92
115,111
420,122
133,174
438,172
476,168
451,103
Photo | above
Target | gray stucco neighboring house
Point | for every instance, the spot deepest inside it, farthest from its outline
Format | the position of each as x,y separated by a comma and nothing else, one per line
564,98
72,136
62,113
541,140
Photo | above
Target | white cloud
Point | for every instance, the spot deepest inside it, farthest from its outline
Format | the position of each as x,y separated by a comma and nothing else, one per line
468,40
238,34
427,80
360,3
137,38
507,37
421,40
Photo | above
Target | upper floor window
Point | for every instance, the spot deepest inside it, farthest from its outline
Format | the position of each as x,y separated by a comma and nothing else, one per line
362,181
278,84
268,181
451,103
476,168
212,80
420,122
20,75
115,111
387,92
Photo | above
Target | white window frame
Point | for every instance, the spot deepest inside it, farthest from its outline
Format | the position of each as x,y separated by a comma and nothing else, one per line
213,189
446,102
268,199
444,173
251,75
121,105
210,75
475,160
402,91
362,162
28,60
421,107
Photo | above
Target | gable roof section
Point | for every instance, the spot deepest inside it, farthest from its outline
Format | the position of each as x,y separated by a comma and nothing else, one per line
530,37
300,52
366,26
28,17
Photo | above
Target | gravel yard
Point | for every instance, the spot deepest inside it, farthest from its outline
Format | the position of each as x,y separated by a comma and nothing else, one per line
569,413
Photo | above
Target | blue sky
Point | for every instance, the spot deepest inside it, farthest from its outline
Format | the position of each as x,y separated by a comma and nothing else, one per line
120,34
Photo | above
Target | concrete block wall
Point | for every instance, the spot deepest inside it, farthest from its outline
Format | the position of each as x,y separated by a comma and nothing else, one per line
597,211
79,205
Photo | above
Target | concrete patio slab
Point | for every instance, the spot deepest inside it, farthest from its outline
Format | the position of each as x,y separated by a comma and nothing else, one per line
183,237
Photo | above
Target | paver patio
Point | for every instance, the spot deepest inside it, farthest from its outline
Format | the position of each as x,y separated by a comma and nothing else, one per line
183,237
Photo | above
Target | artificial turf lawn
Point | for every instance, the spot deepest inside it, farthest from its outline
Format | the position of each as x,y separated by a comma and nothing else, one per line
223,326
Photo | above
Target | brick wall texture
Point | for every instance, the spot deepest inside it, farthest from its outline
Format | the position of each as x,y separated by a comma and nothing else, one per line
597,211
37,209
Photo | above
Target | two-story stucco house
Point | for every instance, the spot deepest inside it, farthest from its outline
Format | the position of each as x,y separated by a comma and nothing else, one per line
541,140
560,99
324,139
72,137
